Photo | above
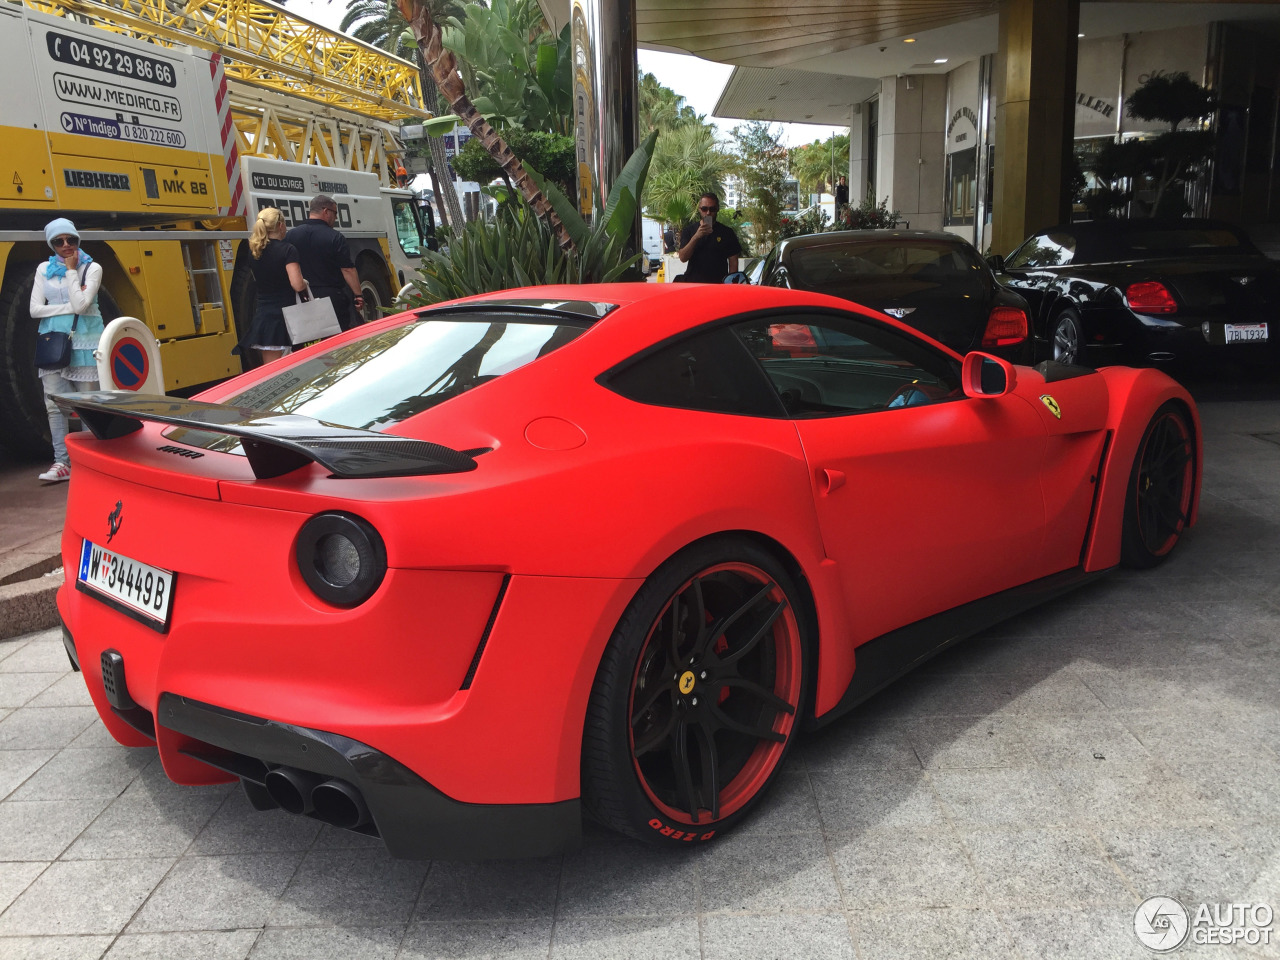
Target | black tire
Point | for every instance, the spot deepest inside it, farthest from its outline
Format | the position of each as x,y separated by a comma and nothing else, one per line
1066,338
659,763
373,287
1157,504
24,424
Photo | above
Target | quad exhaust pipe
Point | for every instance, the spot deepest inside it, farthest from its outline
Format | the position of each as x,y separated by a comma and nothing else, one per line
334,801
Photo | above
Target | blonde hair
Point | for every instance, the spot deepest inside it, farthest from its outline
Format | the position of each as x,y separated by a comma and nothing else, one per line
269,219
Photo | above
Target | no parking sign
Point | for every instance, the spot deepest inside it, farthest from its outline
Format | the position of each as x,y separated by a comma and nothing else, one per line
129,357
129,365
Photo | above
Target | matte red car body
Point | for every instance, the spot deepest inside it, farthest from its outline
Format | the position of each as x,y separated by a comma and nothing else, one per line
584,495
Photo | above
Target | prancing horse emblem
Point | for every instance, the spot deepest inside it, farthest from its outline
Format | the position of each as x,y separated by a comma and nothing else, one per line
113,520
1052,404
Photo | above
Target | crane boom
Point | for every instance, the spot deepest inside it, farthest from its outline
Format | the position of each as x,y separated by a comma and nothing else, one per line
268,47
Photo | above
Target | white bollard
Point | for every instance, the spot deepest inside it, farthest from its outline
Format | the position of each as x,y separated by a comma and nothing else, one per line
129,357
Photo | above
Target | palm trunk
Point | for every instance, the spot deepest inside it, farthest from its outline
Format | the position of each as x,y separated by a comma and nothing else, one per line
445,70
446,202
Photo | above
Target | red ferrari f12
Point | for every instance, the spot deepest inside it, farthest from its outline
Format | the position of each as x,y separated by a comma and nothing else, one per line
456,577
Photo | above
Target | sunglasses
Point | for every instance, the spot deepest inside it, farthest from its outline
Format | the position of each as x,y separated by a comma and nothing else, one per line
708,209
66,241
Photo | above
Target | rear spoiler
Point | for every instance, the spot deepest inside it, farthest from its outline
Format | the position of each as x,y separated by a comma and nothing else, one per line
275,443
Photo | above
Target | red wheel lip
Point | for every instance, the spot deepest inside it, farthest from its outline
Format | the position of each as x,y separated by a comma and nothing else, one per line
1184,505
765,759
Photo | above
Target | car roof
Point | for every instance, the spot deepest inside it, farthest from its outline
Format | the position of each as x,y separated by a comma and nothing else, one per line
1102,240
647,313
886,236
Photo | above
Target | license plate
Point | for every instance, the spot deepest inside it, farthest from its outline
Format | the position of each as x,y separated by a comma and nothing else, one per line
142,591
1245,332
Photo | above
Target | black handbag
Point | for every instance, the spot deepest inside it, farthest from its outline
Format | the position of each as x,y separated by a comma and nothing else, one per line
53,350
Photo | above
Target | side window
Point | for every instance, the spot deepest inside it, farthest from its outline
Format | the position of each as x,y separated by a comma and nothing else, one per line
825,366
708,370
407,228
1044,250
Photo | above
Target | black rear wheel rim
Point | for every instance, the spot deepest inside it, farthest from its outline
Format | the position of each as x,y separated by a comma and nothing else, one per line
715,694
1164,484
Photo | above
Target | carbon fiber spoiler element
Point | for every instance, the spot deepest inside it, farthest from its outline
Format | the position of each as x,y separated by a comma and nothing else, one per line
275,443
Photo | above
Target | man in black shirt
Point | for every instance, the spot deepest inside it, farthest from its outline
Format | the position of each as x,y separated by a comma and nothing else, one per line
326,261
709,248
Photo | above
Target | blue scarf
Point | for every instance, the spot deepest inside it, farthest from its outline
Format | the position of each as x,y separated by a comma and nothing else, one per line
58,269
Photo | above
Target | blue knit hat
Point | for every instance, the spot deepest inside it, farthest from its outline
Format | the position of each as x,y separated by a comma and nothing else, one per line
59,228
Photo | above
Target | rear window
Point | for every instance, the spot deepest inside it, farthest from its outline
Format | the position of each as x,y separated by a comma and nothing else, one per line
833,264
379,380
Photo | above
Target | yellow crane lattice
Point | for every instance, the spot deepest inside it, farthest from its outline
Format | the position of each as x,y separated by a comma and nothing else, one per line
268,47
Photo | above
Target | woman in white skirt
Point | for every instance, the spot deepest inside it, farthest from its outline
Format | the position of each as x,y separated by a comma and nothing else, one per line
65,300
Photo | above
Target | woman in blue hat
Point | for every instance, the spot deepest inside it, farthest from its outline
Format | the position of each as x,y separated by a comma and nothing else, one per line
65,299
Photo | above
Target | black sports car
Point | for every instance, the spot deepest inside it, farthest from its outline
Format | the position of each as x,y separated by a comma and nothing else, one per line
936,282
1146,292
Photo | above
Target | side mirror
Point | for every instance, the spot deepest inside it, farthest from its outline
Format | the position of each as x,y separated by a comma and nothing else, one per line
996,262
738,277
983,375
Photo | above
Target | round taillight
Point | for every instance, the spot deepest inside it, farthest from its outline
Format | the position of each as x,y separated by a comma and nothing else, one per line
1150,297
341,558
1005,327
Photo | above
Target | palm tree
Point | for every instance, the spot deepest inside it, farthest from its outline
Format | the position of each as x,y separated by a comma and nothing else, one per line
661,108
686,161
381,24
444,67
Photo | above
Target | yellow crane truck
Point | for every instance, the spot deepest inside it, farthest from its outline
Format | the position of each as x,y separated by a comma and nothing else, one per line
160,128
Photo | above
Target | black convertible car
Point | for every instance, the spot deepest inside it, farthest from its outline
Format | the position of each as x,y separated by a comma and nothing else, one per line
933,281
1146,293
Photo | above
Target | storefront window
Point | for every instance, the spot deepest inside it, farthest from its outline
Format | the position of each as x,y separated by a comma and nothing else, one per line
962,187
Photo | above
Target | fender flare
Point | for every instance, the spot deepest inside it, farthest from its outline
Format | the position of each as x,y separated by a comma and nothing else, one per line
1134,396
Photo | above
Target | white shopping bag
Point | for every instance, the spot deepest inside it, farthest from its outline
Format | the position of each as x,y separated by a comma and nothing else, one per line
313,319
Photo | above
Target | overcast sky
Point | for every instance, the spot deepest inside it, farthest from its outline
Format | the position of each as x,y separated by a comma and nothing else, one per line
700,82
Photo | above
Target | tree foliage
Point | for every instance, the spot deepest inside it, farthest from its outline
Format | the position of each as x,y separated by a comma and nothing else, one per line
661,108
519,73
762,167
1162,163
687,161
818,165
519,248
553,154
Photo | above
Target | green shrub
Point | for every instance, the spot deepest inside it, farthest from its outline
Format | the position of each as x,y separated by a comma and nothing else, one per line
869,215
517,248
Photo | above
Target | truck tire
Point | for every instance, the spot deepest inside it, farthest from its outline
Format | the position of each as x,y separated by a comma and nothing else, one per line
24,425
373,287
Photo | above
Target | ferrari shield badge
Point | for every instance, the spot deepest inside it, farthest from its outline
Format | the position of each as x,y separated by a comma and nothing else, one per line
1052,404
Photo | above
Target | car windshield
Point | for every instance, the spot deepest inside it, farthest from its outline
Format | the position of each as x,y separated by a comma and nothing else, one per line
837,264
381,379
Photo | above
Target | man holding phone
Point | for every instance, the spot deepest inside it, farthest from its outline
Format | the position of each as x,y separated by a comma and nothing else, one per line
709,248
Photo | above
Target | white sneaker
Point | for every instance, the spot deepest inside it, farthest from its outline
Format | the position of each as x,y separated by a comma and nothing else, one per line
58,473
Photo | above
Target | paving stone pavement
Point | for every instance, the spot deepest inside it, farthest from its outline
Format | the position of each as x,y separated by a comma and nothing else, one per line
1017,797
